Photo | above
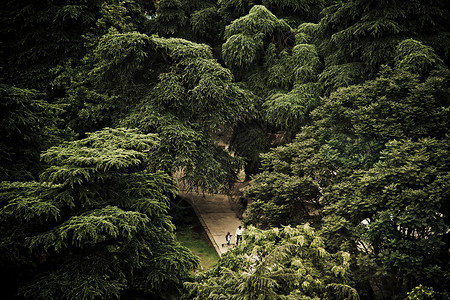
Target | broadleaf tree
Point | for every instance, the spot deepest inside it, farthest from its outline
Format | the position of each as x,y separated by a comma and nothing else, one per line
396,125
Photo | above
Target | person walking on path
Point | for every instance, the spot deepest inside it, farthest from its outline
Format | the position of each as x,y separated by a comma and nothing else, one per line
228,238
239,234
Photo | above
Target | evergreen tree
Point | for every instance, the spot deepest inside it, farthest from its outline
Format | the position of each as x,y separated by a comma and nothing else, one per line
95,226
280,66
173,87
280,263
363,35
351,142
39,35
27,126
363,86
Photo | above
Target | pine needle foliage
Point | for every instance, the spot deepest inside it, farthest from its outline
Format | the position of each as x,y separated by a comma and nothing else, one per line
368,32
295,11
280,263
279,199
205,21
95,226
190,100
195,20
170,86
290,111
25,127
192,86
248,35
417,58
340,76
363,86
171,17
279,65
40,35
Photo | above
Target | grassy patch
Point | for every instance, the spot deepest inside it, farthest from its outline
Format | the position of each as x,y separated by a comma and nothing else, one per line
191,237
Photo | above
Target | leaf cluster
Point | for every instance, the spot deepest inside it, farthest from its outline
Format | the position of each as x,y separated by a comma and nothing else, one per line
280,263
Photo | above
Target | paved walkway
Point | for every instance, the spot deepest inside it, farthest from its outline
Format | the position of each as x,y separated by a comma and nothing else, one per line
216,215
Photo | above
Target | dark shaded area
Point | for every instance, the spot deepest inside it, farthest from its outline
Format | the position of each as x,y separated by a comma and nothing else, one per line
183,215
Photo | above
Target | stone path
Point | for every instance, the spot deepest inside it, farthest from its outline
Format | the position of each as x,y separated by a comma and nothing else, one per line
216,215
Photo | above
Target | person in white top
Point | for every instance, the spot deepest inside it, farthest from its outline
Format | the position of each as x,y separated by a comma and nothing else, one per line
239,234
228,238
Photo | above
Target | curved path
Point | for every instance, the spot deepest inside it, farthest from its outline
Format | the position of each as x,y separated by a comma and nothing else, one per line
216,215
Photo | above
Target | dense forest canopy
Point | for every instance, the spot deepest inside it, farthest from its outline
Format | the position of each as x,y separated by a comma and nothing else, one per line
338,112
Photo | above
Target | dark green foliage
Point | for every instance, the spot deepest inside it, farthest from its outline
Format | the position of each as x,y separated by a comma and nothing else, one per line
25,124
363,86
417,58
197,21
368,32
280,67
281,199
118,58
39,35
353,162
424,293
300,65
295,11
359,120
197,89
337,76
285,263
207,24
249,140
194,87
290,111
188,102
352,126
172,17
403,201
233,9
248,36
173,87
95,226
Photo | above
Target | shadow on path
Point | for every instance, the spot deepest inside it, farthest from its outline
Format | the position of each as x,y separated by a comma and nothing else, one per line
216,216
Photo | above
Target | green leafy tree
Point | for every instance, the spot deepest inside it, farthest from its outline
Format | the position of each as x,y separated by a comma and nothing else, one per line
247,37
414,56
280,263
190,100
281,199
95,226
421,292
397,214
352,135
351,128
294,12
